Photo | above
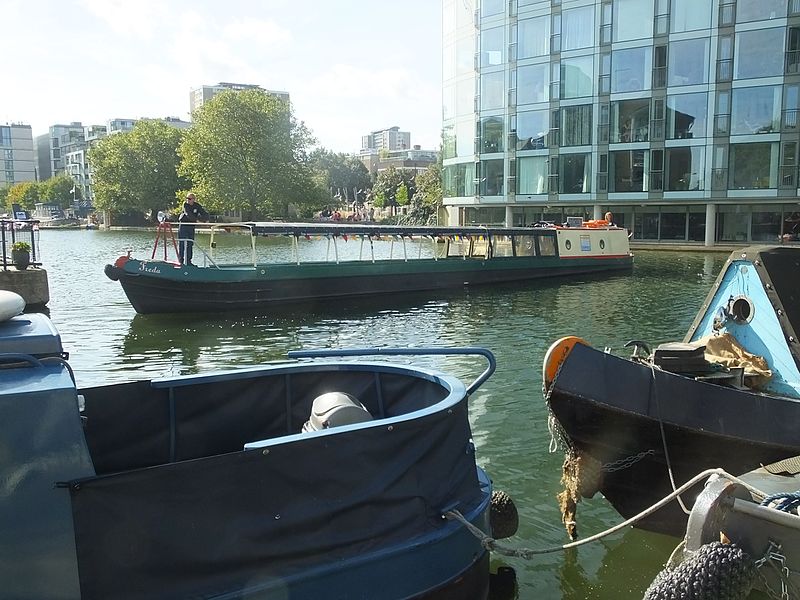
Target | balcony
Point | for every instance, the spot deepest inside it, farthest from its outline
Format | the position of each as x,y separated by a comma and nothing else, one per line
722,124
719,178
724,69
789,119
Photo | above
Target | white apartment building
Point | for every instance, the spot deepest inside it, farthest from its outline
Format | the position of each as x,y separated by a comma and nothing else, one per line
16,152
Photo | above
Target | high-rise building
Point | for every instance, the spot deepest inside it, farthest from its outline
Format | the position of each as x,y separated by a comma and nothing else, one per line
16,154
680,116
390,140
204,93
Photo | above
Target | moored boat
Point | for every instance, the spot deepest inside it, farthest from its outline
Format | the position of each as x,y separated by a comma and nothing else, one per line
316,478
727,396
390,259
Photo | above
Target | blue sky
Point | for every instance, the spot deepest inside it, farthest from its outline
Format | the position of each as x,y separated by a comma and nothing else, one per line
350,66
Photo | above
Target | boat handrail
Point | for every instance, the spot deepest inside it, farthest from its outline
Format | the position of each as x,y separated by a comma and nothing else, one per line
469,350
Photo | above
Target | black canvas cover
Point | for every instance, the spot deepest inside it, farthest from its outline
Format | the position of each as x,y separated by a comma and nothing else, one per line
779,267
207,526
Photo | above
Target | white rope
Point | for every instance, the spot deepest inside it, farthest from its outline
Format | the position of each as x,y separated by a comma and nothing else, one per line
490,543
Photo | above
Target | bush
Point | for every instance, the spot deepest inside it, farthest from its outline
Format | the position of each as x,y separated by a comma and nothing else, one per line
21,247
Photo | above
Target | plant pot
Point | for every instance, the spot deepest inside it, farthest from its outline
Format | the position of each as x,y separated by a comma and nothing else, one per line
21,259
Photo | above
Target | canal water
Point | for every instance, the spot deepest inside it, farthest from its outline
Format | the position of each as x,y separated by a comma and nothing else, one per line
108,341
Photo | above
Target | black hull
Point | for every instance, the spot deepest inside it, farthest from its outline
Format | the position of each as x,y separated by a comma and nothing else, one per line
613,410
150,294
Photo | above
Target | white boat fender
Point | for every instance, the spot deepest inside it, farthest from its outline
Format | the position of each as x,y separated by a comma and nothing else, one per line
11,305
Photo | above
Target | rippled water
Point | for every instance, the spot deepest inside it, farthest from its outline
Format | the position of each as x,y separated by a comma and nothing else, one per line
107,341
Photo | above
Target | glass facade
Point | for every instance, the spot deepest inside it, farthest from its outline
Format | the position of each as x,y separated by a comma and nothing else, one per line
679,116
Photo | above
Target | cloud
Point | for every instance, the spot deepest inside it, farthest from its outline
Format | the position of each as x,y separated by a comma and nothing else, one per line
130,19
261,32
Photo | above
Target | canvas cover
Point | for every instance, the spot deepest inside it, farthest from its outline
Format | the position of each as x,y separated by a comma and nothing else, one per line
204,526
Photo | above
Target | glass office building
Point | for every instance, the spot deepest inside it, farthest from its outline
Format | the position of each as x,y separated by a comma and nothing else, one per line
679,116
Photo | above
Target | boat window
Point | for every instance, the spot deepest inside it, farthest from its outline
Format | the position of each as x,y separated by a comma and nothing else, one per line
502,245
479,247
547,245
525,245
458,247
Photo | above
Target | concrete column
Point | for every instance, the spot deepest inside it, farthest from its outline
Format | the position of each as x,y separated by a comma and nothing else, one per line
31,284
509,217
597,212
711,223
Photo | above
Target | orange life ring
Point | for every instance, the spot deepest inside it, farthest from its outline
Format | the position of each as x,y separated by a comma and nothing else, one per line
556,355
596,223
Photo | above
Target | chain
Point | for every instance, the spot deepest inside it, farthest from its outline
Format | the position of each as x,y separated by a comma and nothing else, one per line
777,561
624,463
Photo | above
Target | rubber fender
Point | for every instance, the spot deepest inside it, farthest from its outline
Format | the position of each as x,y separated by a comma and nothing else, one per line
503,515
111,272
556,355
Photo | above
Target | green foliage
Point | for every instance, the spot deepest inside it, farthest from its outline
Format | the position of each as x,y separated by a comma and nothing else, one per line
21,247
427,201
402,194
246,152
26,194
58,190
389,182
344,176
137,171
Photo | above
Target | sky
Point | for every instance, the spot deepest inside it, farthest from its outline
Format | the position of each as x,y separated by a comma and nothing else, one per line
350,66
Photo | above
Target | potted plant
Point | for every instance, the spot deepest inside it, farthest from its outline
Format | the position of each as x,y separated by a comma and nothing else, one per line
21,255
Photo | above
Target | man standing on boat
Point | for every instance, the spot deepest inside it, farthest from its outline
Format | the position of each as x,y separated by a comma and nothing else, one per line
192,213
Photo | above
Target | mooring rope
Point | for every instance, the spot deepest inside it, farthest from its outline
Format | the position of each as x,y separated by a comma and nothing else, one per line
491,544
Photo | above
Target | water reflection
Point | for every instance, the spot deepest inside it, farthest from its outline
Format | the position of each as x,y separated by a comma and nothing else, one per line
107,341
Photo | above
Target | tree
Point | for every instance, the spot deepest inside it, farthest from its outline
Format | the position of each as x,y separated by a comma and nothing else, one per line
427,200
388,184
137,171
344,175
58,190
246,152
26,194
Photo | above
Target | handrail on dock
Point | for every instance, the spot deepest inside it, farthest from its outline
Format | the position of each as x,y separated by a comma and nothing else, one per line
18,230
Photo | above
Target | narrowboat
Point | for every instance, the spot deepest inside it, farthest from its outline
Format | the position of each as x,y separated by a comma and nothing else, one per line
324,477
333,261
727,396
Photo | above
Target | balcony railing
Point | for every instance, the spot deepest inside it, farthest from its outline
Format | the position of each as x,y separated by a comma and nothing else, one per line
555,43
789,119
605,84
656,181
727,14
724,69
659,77
719,178
788,176
602,134
722,124
793,61
602,182
794,8
657,130
605,34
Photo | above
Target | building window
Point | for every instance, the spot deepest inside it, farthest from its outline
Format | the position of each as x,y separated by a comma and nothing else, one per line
633,20
656,170
688,62
759,53
534,37
685,168
491,134
5,136
490,8
793,51
791,95
756,110
492,92
577,77
765,223
660,66
788,178
575,173
576,125
758,10
532,129
686,116
725,58
532,84
733,223
491,177
459,180
690,15
627,170
646,223
630,69
577,28
8,153
630,120
673,223
753,166
492,47
532,175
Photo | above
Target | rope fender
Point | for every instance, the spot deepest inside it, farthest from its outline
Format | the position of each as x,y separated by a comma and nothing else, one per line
716,571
